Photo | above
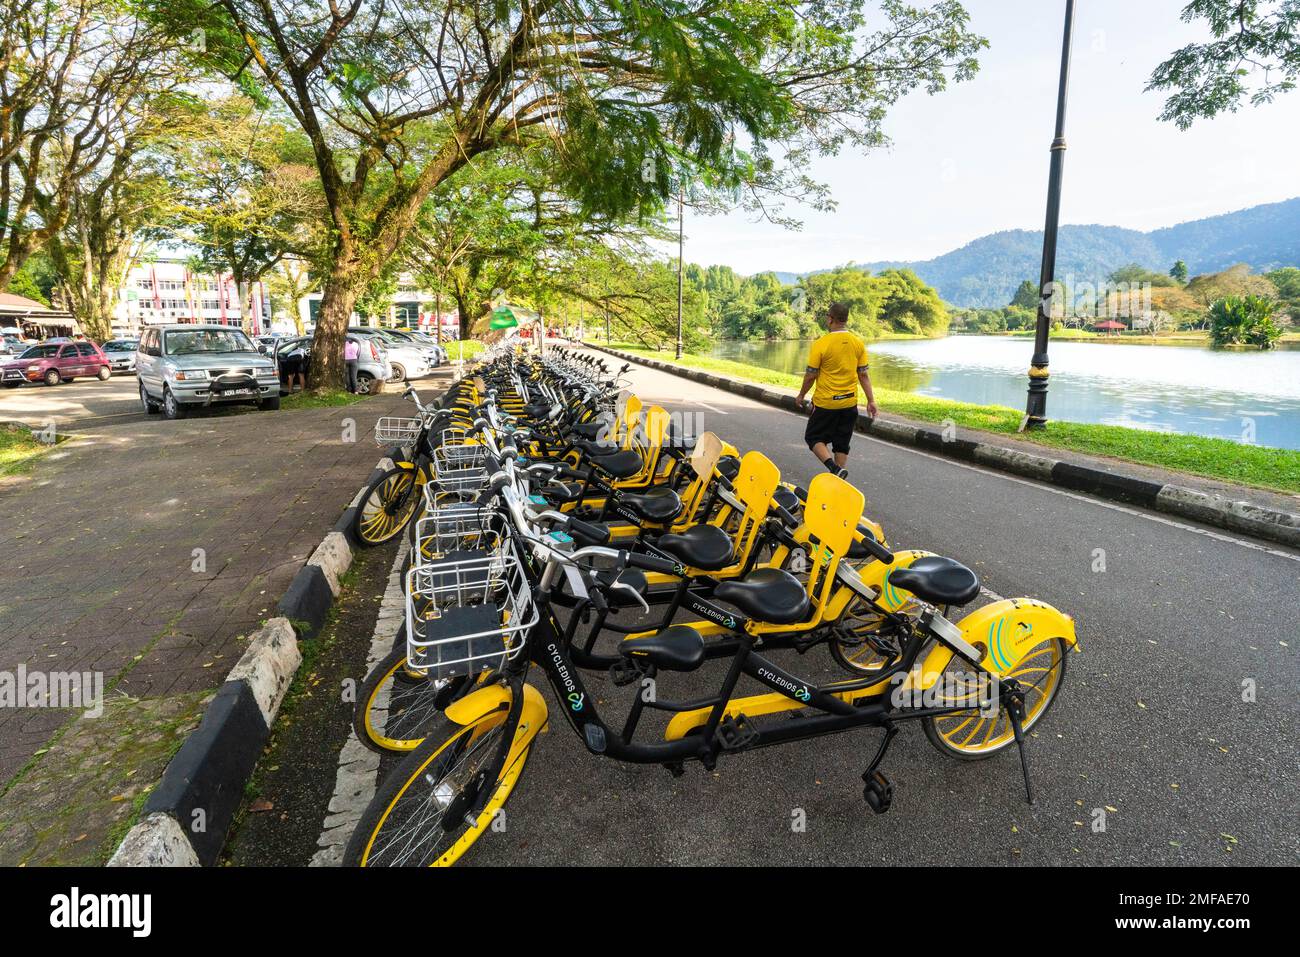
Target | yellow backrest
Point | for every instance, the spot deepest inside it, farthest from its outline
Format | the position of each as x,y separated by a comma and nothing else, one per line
755,482
829,518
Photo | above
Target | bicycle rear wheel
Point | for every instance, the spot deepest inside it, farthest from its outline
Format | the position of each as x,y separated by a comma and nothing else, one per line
397,706
974,735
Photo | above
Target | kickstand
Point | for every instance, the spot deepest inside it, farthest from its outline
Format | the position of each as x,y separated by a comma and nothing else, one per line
1015,709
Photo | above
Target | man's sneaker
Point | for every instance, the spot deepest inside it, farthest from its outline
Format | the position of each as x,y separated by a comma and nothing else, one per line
841,473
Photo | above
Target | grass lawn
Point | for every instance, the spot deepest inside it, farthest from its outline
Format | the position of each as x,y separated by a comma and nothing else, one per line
18,447
311,399
1214,458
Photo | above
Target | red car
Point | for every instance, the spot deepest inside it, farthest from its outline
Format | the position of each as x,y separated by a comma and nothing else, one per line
55,362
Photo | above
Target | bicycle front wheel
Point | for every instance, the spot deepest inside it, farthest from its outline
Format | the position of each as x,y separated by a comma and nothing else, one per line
423,813
386,507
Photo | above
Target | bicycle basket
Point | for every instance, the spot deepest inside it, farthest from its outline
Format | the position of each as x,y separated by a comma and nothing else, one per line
396,430
466,614
460,468
459,526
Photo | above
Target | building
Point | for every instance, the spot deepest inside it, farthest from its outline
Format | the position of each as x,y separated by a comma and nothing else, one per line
411,307
165,291
33,320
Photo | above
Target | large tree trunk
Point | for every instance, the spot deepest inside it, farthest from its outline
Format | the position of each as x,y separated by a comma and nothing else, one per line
340,294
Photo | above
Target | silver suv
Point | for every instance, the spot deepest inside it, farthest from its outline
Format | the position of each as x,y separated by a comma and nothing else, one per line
183,366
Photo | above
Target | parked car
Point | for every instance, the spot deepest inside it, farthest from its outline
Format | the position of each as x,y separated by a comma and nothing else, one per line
425,341
121,353
372,365
12,344
408,358
55,362
181,367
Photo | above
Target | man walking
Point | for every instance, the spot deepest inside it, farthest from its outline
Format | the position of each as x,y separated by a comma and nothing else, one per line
837,363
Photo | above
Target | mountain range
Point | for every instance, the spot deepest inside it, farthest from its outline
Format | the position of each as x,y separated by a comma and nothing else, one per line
986,272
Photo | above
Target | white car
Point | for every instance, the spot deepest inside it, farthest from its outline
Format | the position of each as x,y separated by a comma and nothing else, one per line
121,353
408,359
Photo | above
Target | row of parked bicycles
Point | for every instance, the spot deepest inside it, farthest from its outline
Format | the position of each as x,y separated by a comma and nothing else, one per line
553,521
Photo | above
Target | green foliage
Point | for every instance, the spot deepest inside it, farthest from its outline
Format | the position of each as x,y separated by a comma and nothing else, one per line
1254,56
1178,272
1287,283
1135,275
1244,320
1026,296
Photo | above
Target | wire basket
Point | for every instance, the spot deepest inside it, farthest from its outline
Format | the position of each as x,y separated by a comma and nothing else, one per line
449,527
460,467
396,430
469,613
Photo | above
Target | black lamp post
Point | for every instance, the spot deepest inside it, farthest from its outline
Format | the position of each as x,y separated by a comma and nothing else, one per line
681,242
1036,407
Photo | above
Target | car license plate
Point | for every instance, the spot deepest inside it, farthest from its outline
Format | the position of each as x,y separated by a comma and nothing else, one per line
240,392
13,374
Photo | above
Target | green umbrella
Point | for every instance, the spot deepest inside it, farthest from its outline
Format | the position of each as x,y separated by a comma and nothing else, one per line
503,318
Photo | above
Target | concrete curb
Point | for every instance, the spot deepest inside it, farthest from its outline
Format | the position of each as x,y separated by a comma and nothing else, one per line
1239,516
188,815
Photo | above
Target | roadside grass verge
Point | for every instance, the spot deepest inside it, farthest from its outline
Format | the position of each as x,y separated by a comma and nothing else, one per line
18,448
312,399
1263,467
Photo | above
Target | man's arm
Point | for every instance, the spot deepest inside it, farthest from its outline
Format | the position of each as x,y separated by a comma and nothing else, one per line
809,379
865,379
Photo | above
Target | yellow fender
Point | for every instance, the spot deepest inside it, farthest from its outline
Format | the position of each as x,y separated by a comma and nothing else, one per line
493,697
1006,631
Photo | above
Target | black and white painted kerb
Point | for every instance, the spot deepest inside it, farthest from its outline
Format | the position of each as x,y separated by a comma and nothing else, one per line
188,815
1240,516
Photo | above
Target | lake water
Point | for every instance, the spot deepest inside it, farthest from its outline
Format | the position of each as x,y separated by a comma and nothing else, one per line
1185,388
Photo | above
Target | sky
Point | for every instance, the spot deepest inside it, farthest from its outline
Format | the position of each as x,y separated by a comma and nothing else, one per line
974,159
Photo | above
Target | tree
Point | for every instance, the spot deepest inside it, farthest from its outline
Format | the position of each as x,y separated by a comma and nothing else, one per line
245,193
289,282
71,74
396,98
1026,296
1255,40
1287,282
1234,281
1179,272
1135,276
1237,320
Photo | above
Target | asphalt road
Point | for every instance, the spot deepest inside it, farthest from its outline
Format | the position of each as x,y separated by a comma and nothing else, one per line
1151,724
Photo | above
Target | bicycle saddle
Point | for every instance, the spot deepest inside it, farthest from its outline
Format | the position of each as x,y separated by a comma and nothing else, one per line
657,504
700,546
728,467
767,594
677,648
592,447
589,431
623,464
940,581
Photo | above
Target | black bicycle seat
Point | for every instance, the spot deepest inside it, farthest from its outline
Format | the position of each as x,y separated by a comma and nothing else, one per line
700,546
940,581
654,505
767,594
678,648
621,465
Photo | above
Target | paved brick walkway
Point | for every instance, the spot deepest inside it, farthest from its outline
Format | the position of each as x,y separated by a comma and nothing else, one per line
148,550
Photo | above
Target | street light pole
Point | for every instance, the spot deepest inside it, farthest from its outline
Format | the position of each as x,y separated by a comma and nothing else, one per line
681,237
1036,406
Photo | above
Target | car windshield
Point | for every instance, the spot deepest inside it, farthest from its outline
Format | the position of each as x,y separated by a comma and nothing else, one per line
187,342
120,345
40,352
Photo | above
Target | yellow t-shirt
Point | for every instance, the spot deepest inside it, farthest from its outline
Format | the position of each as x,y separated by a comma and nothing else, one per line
837,357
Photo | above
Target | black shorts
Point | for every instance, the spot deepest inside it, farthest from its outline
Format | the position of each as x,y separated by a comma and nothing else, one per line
832,426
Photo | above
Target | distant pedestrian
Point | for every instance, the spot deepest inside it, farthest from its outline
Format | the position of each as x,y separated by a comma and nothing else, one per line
837,363
351,359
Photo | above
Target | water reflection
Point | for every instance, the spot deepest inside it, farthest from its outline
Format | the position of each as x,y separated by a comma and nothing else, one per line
1187,388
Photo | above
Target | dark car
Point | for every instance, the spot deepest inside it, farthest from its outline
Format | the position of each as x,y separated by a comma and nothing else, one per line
55,362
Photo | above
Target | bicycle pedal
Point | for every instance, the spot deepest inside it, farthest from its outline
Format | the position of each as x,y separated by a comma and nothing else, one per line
623,673
879,792
736,733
